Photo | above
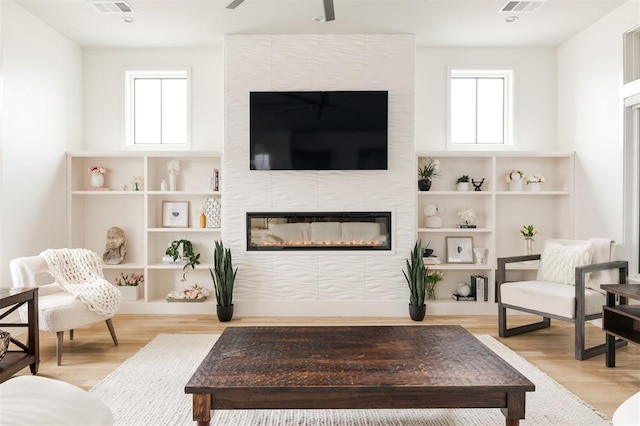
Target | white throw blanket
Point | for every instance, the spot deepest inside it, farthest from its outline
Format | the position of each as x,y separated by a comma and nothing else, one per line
79,272
600,253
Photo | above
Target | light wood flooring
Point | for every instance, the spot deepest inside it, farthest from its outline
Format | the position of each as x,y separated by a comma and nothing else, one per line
91,356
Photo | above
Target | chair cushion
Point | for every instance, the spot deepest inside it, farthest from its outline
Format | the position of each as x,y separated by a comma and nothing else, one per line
62,311
34,400
547,296
558,262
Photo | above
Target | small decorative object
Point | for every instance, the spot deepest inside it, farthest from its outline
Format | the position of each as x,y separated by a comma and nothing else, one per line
214,180
426,173
466,216
5,338
477,185
415,275
528,232
193,294
136,183
462,183
175,214
432,278
432,212
459,249
163,186
192,258
515,179
129,285
115,248
97,176
174,167
463,289
479,252
534,183
203,218
223,276
213,212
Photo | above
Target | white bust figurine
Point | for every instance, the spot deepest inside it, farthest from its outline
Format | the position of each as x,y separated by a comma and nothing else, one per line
433,218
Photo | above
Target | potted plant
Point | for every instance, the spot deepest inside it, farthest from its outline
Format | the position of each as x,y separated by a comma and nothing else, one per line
415,276
188,256
534,182
515,178
128,285
223,276
430,170
463,183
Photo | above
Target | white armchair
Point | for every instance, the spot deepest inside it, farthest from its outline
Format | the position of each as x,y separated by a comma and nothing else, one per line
567,287
60,309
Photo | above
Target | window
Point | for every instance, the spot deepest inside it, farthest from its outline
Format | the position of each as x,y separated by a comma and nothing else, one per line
157,108
481,107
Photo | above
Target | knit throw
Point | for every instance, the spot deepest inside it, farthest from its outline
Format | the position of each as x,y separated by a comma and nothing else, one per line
79,272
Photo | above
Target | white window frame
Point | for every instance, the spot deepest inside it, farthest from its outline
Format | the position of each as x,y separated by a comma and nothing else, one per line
508,74
130,76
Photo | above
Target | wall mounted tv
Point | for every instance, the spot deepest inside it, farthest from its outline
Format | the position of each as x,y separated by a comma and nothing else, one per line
331,130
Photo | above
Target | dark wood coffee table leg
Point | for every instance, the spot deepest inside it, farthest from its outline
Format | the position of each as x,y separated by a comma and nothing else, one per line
515,408
202,408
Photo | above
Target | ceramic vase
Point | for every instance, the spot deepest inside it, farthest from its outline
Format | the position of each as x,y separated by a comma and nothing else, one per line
424,184
417,313
535,187
529,246
173,181
516,185
97,180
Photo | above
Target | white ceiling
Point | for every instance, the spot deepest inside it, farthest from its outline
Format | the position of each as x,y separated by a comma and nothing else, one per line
201,23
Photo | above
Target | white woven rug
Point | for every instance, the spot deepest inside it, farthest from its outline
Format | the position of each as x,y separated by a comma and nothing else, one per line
148,389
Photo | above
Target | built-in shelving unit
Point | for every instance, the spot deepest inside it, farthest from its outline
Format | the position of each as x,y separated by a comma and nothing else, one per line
139,213
501,213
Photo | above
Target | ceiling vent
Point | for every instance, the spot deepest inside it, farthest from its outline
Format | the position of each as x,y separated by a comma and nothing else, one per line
521,6
111,7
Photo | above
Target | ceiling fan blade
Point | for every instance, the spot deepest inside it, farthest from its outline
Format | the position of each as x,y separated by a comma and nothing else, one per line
329,13
234,4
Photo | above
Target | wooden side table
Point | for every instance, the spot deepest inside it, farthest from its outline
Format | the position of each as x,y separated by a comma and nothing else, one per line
622,320
29,353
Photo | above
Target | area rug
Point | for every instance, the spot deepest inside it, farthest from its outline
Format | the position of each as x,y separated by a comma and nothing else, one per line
148,389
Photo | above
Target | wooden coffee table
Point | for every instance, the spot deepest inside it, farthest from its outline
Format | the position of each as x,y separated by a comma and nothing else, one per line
354,367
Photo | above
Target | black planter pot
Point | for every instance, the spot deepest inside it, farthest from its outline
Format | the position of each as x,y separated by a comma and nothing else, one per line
417,312
225,313
424,184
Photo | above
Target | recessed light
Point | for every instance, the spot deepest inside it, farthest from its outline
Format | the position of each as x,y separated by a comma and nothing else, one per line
318,19
511,19
128,19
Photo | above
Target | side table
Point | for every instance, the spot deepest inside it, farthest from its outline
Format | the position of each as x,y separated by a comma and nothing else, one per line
29,353
622,320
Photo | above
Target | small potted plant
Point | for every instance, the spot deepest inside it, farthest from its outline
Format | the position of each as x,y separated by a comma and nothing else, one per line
528,232
129,285
430,170
223,276
188,257
534,182
515,178
463,183
466,216
415,276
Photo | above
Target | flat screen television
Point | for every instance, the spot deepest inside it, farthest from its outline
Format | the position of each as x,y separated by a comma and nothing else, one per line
330,130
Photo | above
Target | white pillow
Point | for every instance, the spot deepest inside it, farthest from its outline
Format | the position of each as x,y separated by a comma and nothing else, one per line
558,262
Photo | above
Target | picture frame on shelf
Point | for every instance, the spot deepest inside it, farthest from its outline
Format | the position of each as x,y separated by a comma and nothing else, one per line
459,249
175,214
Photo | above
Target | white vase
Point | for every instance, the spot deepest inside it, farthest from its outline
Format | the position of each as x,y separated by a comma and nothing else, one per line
516,185
173,181
97,180
433,222
479,252
463,186
529,244
535,187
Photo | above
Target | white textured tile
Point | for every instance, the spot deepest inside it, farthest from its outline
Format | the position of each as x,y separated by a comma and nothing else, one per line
385,280
342,277
295,277
295,62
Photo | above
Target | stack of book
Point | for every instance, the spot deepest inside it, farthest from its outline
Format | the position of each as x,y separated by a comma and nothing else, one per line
431,260
480,285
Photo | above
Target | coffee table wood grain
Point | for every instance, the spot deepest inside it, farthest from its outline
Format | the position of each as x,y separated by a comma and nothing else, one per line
353,368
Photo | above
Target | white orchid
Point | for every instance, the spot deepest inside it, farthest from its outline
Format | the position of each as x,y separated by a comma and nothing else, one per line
431,210
173,165
467,215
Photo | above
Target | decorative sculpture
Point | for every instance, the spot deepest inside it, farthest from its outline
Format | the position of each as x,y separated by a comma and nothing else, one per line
116,247
477,184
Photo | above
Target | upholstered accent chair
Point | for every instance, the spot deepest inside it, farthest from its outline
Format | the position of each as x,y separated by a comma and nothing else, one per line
567,287
58,309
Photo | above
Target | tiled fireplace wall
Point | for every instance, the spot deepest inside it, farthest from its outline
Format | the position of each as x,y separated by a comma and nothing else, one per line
320,283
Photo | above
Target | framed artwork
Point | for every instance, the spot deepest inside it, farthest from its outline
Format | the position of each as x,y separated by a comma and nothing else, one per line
459,249
175,214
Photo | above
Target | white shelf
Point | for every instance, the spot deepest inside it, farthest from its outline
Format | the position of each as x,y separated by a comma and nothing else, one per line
194,230
454,230
461,267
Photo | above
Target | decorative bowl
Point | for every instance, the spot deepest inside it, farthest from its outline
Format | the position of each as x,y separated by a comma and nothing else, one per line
5,338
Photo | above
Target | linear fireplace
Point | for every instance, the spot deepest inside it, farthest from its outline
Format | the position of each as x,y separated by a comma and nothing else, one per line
319,231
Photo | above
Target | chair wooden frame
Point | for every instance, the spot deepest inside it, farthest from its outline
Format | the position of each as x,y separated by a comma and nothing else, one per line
581,352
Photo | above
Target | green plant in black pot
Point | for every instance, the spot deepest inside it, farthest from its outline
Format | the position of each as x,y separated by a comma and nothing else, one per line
192,258
223,276
415,276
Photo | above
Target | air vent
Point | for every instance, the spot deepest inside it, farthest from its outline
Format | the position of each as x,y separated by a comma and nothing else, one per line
521,6
111,7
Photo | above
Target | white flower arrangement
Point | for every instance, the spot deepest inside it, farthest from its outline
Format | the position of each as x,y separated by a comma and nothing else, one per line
467,215
514,175
431,210
535,179
528,231
173,166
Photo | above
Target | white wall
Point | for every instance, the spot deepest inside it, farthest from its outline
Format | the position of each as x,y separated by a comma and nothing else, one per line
535,92
42,119
104,93
590,122
320,283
